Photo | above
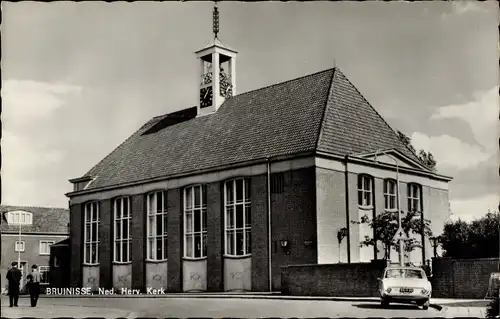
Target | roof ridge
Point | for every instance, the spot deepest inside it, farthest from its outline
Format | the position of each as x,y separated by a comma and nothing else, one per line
378,114
283,82
322,123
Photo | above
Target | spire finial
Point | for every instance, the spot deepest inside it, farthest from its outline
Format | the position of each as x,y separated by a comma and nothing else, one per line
216,20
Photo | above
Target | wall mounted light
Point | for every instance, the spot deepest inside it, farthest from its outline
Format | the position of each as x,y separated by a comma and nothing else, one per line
284,243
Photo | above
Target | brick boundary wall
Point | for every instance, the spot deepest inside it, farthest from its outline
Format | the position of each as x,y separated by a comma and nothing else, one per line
462,278
340,280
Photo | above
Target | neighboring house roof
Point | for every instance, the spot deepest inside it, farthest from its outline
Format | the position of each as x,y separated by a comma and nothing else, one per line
319,112
46,220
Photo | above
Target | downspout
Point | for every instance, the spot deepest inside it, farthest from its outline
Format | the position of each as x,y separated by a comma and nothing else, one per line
348,224
269,251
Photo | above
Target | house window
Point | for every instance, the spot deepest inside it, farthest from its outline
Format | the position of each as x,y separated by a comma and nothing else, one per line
277,183
195,222
157,225
365,191
45,246
414,197
44,272
20,246
390,194
91,234
237,217
122,217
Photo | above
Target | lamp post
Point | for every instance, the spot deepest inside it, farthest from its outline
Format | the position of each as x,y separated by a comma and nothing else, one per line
401,253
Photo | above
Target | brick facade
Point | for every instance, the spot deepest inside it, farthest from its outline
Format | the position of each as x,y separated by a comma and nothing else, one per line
76,235
138,233
215,229
106,244
260,252
175,242
462,278
349,280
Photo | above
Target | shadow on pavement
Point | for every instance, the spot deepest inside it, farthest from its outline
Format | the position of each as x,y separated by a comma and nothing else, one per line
391,307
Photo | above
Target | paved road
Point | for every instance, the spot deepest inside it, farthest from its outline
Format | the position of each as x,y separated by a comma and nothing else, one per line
208,307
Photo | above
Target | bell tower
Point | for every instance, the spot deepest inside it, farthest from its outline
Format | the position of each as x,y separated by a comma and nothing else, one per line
217,72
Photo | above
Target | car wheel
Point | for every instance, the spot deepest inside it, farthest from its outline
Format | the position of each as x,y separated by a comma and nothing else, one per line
425,306
384,302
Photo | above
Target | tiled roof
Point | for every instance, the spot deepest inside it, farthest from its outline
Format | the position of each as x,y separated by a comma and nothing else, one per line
321,111
45,220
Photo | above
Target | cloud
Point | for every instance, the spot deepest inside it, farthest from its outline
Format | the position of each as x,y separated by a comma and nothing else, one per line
459,8
470,209
25,100
450,152
31,156
482,116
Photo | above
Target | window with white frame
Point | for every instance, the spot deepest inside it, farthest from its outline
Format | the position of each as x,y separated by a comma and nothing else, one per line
157,225
91,234
20,246
44,272
414,197
122,217
237,217
45,246
390,195
195,221
365,191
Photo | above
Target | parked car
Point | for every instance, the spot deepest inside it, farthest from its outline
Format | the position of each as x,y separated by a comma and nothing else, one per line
403,284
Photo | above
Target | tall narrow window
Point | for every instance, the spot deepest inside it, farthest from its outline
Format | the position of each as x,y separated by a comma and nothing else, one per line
277,183
157,226
390,194
195,222
365,191
91,233
122,218
238,223
414,197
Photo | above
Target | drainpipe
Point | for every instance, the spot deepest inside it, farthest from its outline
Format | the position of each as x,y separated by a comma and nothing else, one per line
269,251
348,224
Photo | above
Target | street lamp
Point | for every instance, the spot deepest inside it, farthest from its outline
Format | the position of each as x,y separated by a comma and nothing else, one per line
401,253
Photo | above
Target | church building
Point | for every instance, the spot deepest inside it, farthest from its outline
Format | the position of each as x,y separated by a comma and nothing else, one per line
219,196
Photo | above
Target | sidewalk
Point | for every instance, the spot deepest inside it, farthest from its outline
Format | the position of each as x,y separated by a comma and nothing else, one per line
57,311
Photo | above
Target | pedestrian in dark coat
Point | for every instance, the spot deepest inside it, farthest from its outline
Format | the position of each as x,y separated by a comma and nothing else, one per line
34,285
14,276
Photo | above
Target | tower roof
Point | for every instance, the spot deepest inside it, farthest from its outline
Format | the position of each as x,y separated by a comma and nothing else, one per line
318,112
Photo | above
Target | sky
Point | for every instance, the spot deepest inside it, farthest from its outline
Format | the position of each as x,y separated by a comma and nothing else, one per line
79,77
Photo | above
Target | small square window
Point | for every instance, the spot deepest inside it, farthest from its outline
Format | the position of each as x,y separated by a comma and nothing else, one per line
20,246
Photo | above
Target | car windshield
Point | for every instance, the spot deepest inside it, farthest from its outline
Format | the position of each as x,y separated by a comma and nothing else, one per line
404,273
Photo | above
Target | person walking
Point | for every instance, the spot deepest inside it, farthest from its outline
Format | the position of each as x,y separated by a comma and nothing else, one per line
14,276
34,285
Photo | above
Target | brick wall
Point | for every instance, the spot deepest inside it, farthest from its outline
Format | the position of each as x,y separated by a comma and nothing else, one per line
105,243
215,230
260,253
138,233
76,228
352,280
462,278
175,250
31,254
294,219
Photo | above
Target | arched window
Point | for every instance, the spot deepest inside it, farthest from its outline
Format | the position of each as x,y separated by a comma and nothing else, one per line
122,217
390,195
237,220
91,233
365,190
195,221
156,207
414,197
